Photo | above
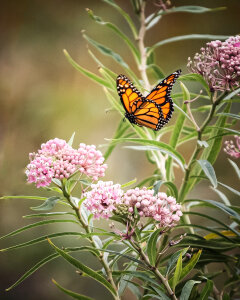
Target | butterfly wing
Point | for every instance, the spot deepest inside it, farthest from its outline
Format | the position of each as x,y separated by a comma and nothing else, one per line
127,92
147,114
161,96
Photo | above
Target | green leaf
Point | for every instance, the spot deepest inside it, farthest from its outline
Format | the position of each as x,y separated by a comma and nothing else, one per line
230,189
188,37
196,77
236,168
70,142
152,246
186,270
87,73
224,208
48,204
209,171
172,187
177,273
125,278
159,146
157,71
36,225
234,116
155,148
194,9
186,290
86,270
125,15
113,27
177,130
42,239
70,293
232,94
206,290
222,196
174,259
128,183
122,127
59,213
109,52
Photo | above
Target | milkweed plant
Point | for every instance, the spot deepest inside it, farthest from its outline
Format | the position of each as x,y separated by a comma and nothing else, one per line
154,248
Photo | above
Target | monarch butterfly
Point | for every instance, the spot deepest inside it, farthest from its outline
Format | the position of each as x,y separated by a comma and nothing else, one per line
152,111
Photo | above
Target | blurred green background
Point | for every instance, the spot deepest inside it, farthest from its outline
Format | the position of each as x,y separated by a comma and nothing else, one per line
43,97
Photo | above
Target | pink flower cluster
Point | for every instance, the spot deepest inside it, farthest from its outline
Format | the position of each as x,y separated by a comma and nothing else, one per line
219,64
103,198
231,149
57,159
160,207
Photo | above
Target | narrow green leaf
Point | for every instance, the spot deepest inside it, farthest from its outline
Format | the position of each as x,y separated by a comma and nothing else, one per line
60,213
230,189
125,15
70,142
224,208
186,270
174,259
232,94
42,239
177,273
222,196
71,293
109,52
172,187
159,146
154,148
48,204
196,77
206,290
152,246
236,168
209,171
186,290
125,278
43,262
122,127
87,73
36,225
234,116
175,136
157,71
114,28
188,37
195,9
88,271
129,183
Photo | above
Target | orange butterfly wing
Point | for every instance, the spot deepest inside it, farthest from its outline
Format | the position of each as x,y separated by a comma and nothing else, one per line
127,92
153,111
161,96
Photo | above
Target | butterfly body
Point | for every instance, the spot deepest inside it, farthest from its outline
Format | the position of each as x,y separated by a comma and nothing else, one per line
152,111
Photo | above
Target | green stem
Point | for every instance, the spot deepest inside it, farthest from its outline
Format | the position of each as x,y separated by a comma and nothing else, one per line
100,254
183,190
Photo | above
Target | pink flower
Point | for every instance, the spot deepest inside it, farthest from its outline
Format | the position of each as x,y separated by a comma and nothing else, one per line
231,149
57,159
103,199
219,64
160,207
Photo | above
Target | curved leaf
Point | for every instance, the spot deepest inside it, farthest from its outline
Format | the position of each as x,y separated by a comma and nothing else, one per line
48,204
206,290
87,73
196,77
86,270
71,293
186,290
118,32
152,246
36,225
177,273
209,171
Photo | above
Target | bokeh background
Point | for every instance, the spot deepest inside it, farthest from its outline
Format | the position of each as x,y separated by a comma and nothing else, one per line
43,97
